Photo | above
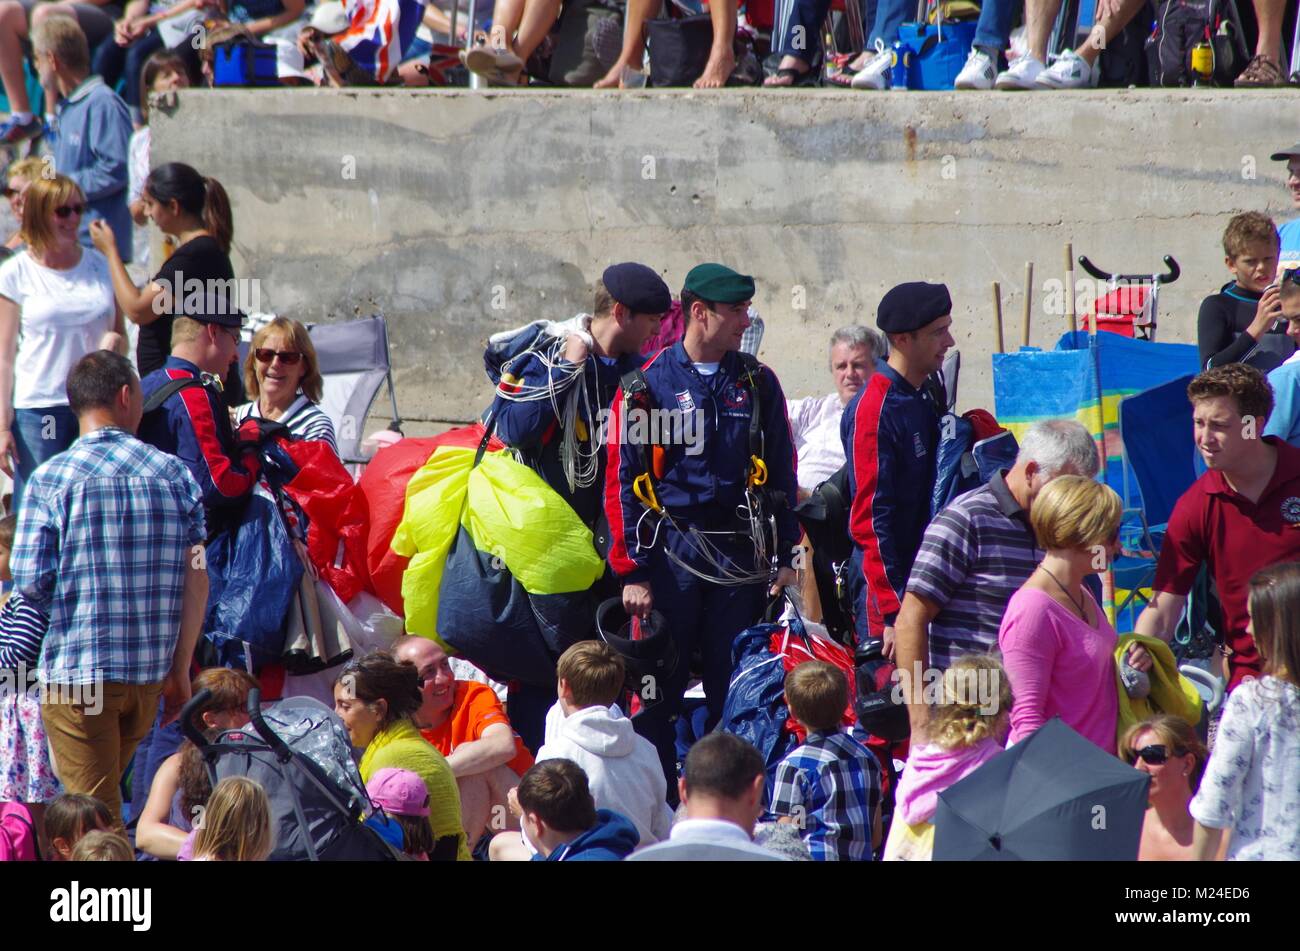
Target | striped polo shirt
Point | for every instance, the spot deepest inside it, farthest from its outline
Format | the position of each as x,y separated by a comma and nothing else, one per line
974,556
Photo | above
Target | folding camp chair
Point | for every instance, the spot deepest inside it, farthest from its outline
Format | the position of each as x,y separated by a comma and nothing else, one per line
1156,431
354,363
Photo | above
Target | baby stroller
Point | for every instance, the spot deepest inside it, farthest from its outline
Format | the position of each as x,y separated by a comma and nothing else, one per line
1131,305
299,752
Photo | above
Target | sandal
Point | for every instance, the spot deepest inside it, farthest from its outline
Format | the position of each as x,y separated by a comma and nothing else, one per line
797,77
498,67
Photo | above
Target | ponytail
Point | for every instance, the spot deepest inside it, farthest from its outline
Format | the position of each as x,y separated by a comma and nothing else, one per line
217,220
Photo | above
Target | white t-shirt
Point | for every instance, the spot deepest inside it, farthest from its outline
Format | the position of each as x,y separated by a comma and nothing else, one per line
137,169
62,316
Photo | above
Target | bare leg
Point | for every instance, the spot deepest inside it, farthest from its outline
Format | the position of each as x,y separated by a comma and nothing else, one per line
539,17
1269,13
508,847
722,58
13,27
506,16
1107,29
633,53
483,802
1039,17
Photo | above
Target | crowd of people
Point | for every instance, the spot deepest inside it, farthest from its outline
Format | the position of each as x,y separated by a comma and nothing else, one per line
129,463
606,45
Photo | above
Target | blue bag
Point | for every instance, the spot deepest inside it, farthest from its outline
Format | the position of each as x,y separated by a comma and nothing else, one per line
755,707
964,464
253,574
937,61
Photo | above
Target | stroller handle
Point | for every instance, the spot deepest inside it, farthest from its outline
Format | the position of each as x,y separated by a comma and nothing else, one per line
1173,273
269,736
193,732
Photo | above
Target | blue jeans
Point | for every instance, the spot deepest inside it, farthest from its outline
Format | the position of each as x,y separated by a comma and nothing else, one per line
39,434
994,27
798,27
890,15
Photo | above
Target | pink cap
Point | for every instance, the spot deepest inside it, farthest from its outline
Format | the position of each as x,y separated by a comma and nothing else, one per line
399,792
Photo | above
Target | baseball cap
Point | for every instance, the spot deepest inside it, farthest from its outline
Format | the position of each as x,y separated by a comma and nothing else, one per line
399,792
1293,152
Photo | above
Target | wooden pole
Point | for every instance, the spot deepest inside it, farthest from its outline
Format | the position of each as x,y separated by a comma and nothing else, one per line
1029,301
997,316
1070,316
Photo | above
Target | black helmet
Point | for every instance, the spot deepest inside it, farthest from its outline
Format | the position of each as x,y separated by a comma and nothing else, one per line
879,707
654,654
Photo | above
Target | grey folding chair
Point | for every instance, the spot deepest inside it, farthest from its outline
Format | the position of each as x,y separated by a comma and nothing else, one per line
354,363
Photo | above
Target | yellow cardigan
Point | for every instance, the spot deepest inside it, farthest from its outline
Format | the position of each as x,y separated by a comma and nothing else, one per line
1171,692
401,746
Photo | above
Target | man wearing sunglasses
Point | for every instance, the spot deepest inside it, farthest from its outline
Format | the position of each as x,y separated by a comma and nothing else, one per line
1285,380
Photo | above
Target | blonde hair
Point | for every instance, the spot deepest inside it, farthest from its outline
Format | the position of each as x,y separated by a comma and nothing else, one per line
103,845
817,693
963,718
594,672
1177,735
63,36
236,825
39,201
312,385
30,168
186,330
1074,512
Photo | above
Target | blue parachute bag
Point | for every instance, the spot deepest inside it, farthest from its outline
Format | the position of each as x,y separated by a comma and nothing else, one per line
502,349
253,575
755,707
962,463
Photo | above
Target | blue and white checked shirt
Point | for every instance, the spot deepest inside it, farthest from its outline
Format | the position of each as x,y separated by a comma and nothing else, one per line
830,787
106,531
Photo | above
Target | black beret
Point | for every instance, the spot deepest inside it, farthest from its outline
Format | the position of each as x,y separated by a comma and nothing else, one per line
637,287
911,306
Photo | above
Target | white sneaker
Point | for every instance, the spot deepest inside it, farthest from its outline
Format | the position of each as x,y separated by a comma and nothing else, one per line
1070,71
979,71
1022,75
875,75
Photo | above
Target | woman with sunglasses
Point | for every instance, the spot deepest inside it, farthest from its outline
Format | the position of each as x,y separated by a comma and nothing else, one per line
1252,783
1057,644
282,376
1168,750
195,212
56,306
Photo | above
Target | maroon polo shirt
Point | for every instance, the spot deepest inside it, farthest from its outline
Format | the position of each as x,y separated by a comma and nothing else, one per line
1215,524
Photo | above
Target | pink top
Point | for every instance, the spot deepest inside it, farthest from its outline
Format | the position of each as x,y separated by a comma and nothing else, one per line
931,769
1059,666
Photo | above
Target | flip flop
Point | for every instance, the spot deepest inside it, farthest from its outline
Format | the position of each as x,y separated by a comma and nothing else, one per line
797,77
494,65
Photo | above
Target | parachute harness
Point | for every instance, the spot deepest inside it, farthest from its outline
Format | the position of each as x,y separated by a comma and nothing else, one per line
753,512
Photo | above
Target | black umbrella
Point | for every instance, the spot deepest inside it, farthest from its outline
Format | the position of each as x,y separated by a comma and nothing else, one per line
1052,796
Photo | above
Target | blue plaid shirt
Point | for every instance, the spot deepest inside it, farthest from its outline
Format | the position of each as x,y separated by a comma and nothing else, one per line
830,787
104,537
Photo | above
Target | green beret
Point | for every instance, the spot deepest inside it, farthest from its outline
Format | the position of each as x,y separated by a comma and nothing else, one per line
719,284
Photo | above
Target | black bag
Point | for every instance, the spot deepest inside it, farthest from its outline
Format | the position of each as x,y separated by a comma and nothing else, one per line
1180,25
1124,60
679,49
488,617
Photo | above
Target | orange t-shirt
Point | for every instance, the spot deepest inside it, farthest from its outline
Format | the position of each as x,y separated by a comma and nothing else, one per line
474,709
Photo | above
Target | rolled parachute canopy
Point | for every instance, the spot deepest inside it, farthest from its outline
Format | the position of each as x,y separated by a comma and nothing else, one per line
507,510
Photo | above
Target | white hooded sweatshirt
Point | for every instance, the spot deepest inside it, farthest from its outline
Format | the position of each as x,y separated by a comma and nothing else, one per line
623,769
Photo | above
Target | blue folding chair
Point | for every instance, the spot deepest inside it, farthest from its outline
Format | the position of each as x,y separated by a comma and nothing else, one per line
1159,450
1156,432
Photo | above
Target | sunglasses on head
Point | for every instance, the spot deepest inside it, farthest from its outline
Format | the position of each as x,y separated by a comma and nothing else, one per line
1291,274
287,357
63,211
